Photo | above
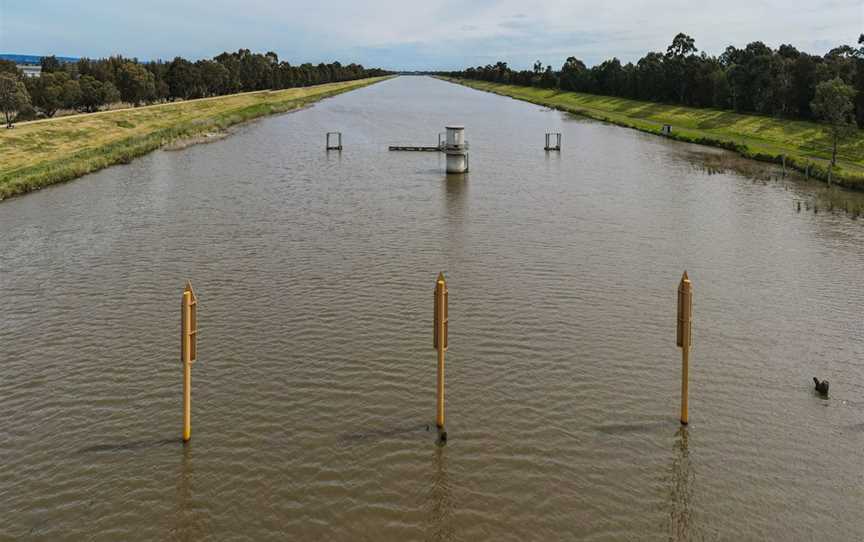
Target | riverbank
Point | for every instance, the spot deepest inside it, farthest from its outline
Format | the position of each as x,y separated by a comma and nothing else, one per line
805,145
41,153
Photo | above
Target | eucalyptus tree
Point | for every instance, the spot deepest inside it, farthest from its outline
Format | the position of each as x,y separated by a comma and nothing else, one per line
136,84
13,97
834,105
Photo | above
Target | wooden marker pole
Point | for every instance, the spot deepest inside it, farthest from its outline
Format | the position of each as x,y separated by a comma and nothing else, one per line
684,339
188,352
439,339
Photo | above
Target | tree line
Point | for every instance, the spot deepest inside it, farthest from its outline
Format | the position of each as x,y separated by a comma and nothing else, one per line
91,84
756,79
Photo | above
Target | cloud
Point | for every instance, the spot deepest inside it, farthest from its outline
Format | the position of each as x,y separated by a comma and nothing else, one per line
415,35
520,24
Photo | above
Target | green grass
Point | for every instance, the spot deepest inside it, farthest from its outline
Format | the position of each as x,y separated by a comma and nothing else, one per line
40,153
806,145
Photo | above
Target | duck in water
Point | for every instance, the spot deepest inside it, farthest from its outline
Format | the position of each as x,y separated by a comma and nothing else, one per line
821,387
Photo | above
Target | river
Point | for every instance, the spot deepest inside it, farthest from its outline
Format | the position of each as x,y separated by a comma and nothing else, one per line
315,379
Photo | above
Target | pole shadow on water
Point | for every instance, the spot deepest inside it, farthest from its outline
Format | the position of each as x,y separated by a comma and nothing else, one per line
372,435
134,446
630,428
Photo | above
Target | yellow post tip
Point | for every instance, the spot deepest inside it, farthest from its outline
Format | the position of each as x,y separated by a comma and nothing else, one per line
441,277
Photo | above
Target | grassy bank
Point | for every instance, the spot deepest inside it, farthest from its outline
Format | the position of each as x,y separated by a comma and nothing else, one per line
806,145
41,153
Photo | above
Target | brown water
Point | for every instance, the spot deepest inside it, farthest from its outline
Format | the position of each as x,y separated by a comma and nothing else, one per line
315,380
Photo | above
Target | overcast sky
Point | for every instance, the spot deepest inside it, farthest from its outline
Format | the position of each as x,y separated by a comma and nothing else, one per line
409,34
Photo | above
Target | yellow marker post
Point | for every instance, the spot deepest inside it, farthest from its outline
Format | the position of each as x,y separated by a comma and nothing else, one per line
439,339
188,352
685,337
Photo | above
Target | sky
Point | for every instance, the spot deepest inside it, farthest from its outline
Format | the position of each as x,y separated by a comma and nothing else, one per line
412,35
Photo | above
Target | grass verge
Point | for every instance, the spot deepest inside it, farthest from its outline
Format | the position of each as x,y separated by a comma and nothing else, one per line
806,145
37,154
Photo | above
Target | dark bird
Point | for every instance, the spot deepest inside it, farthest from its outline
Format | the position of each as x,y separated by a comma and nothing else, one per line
821,387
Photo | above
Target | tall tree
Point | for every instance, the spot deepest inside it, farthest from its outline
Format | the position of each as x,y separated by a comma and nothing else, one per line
13,97
572,73
834,105
135,83
184,79
650,77
50,64
94,94
538,68
859,82
804,84
682,45
46,92
71,94
676,63
215,77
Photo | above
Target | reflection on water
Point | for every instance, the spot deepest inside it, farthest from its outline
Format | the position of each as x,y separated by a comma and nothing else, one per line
456,190
440,499
682,483
838,201
718,162
187,520
815,194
